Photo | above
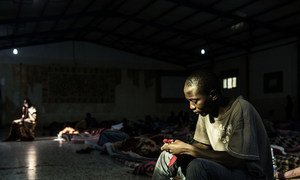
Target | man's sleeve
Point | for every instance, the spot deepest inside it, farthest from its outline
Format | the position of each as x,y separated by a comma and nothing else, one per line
243,142
200,132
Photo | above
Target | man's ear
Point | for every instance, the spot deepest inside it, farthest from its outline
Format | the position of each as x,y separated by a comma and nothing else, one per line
213,95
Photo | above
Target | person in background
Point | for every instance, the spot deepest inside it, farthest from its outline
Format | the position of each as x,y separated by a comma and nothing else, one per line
88,122
24,128
91,122
230,141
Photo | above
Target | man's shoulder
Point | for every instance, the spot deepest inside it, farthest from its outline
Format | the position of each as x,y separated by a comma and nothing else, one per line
242,102
241,106
246,108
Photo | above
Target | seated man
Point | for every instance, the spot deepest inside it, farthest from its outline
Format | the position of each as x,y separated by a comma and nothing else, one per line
230,139
24,128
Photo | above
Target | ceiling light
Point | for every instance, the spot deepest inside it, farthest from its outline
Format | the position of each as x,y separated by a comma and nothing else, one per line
237,26
202,51
15,51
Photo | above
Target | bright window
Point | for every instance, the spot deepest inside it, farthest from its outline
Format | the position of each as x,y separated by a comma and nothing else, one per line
229,82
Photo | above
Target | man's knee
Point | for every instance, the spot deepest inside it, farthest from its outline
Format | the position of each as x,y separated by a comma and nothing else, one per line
196,169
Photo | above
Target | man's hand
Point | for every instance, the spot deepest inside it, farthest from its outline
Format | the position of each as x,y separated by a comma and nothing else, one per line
174,147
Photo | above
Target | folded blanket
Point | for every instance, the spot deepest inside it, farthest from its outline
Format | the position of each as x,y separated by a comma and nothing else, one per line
288,162
286,150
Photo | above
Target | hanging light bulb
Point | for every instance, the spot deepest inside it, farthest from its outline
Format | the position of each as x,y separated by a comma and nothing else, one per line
15,51
202,51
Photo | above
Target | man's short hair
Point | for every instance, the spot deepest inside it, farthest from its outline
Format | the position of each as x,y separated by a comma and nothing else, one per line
205,81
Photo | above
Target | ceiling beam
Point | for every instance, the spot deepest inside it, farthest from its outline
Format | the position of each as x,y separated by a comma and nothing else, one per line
197,26
83,11
143,25
243,31
128,18
248,20
107,11
179,31
267,33
40,16
63,12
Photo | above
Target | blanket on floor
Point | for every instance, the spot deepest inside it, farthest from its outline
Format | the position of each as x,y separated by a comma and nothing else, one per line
139,153
288,157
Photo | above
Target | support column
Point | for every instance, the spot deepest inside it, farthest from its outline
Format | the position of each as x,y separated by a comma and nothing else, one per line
298,82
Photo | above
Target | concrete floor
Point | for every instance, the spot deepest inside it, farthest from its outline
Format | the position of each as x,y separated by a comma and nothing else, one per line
45,158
